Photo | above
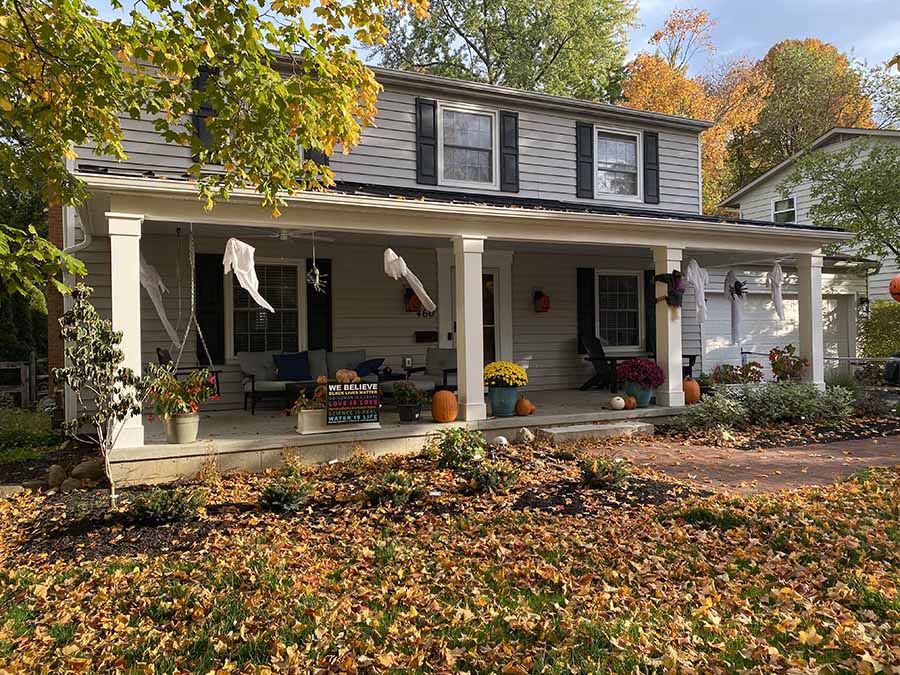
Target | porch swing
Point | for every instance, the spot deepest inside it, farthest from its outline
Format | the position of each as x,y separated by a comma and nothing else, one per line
164,355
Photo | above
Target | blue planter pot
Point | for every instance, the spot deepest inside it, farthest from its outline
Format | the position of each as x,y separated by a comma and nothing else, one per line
641,395
503,401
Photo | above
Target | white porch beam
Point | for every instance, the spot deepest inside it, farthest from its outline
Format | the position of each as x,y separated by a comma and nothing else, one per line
668,330
809,271
468,252
125,289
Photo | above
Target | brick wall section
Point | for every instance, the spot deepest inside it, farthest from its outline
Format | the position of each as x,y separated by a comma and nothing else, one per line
54,298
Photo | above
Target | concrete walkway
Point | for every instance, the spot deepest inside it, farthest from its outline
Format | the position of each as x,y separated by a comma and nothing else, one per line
751,471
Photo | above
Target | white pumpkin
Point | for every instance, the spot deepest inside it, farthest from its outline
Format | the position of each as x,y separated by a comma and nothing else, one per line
617,403
500,441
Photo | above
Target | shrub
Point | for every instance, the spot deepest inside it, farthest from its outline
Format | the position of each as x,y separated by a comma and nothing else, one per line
394,487
878,332
285,494
604,471
719,410
20,428
172,505
496,476
728,374
872,405
456,448
786,365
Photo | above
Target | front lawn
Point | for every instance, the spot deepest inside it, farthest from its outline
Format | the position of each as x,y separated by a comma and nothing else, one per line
632,574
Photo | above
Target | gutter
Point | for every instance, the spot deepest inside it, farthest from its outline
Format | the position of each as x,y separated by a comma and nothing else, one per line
187,191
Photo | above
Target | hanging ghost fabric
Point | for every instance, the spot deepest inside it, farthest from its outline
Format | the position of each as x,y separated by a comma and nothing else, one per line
698,277
153,284
735,291
775,280
395,267
238,258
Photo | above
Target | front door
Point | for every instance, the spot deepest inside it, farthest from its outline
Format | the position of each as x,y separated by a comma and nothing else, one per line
490,311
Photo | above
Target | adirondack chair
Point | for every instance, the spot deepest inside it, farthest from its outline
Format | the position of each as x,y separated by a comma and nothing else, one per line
604,366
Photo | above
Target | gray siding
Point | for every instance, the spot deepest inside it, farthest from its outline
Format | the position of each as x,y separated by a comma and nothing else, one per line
387,153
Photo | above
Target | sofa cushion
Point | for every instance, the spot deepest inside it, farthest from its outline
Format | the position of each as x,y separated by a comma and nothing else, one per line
318,364
259,364
292,367
368,367
344,360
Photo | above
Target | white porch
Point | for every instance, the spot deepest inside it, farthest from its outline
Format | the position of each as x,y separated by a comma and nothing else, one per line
451,247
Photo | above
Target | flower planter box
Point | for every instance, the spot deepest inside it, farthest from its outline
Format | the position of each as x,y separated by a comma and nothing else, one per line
313,422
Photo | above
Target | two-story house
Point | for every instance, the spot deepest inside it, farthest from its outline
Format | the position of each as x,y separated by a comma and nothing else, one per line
763,198
493,196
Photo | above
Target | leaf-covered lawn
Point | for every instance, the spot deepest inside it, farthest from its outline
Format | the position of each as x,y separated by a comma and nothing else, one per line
793,583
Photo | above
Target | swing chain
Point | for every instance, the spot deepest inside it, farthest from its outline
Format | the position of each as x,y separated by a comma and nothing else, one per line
193,317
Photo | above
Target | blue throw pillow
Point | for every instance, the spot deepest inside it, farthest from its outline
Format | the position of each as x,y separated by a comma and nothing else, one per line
368,367
292,367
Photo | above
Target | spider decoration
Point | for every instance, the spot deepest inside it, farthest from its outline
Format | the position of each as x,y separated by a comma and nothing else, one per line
316,279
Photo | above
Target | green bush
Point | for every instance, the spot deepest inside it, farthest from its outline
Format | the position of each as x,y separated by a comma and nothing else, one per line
604,471
285,494
167,505
394,487
878,332
768,404
456,448
20,428
496,476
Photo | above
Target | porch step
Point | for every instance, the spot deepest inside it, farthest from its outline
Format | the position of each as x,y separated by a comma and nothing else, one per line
577,431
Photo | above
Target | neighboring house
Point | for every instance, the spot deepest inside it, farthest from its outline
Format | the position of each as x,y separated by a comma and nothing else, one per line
762,199
490,194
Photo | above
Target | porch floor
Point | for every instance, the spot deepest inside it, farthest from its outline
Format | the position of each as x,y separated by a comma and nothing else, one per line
239,440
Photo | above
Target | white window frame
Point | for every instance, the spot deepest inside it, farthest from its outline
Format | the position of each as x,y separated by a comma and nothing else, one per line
639,140
495,145
793,208
642,327
302,338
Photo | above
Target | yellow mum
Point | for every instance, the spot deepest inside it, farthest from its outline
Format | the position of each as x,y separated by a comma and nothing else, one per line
504,374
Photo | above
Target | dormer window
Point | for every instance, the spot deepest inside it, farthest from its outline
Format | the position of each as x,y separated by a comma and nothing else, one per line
467,147
784,210
618,164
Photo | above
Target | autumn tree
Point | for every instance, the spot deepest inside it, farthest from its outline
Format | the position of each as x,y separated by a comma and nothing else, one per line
565,47
730,97
811,87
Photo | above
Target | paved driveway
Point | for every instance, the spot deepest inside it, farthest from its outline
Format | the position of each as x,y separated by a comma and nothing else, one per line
749,471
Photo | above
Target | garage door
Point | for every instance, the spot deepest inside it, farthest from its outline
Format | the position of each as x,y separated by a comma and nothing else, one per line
763,330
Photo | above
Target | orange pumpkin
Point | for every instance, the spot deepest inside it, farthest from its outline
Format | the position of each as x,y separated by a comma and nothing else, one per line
322,379
524,407
894,288
533,408
691,391
444,407
630,403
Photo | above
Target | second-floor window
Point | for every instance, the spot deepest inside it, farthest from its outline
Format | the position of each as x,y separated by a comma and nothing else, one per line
784,210
618,164
467,149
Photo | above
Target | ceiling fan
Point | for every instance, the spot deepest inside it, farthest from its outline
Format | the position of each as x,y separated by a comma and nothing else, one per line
288,235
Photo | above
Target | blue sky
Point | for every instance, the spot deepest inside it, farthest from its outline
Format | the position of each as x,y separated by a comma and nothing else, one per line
867,29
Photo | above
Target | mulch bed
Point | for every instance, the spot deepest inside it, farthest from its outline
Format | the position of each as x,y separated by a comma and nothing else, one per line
80,525
792,435
67,455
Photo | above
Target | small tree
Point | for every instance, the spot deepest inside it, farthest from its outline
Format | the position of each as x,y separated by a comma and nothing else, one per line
107,393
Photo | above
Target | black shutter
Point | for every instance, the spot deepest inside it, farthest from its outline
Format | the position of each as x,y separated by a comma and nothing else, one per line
210,307
586,303
317,156
584,160
318,309
205,110
426,141
650,311
509,151
651,167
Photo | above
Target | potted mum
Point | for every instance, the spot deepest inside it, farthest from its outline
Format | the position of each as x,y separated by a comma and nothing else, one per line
641,377
503,378
177,402
409,401
310,411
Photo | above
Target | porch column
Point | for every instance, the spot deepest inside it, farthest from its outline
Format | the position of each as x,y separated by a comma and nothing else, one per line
809,271
125,291
668,330
467,253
